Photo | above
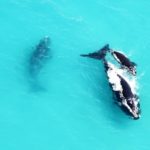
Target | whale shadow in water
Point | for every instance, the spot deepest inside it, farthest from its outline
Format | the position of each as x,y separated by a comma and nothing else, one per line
37,60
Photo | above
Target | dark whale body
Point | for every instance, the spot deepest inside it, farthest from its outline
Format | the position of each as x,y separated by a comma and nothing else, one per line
131,99
122,90
125,98
39,56
124,61
127,92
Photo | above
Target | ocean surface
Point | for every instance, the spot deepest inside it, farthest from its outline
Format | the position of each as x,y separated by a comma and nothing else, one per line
74,109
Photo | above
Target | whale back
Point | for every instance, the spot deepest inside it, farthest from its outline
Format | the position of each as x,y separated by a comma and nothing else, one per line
39,56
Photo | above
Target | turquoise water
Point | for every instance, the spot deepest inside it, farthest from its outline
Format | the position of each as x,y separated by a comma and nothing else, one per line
75,111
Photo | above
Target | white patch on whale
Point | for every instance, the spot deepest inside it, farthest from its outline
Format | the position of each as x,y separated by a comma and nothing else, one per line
113,73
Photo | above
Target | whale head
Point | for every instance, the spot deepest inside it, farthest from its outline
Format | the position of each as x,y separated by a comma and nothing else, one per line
131,107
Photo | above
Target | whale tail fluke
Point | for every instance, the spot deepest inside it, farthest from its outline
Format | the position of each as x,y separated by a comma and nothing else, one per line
100,54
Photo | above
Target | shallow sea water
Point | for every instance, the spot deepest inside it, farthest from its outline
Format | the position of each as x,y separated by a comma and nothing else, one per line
75,109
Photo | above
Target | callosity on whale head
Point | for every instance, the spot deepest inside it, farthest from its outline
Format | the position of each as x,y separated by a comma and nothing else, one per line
131,107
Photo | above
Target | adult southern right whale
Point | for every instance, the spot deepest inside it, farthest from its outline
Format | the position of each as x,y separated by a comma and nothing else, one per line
39,56
124,91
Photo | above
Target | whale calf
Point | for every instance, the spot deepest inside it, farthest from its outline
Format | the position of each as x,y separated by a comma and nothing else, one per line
124,61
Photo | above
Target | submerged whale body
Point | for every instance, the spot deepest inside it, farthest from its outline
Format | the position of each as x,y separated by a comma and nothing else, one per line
39,56
126,99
